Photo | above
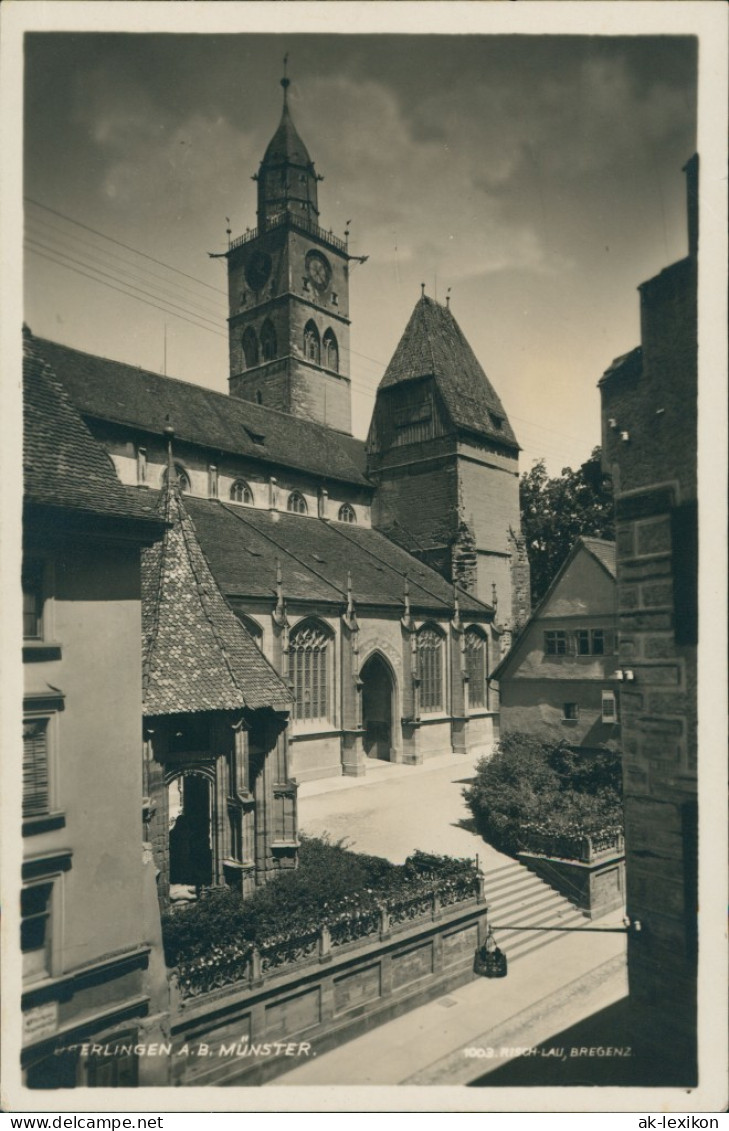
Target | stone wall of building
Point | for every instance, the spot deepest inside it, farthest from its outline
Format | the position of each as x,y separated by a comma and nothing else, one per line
650,449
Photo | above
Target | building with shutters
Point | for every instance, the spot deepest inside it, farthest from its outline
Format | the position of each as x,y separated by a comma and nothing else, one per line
384,618
92,965
558,682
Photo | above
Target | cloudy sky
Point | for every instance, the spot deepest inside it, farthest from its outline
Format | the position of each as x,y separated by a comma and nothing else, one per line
539,177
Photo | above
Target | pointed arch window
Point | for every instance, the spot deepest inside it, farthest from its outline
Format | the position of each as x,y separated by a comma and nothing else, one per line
268,341
250,348
331,351
346,513
477,666
183,479
312,345
297,503
309,669
240,492
430,668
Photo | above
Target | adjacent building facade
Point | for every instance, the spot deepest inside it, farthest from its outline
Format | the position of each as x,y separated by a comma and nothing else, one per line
558,681
649,415
90,937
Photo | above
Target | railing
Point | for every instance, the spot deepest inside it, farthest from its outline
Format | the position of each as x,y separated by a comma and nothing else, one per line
287,220
583,847
250,964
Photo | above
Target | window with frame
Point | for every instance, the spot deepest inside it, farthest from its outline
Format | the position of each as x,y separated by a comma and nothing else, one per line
309,669
571,712
597,640
609,707
33,597
430,669
555,643
250,348
35,929
331,351
240,492
312,346
476,667
582,638
36,784
346,513
268,341
297,503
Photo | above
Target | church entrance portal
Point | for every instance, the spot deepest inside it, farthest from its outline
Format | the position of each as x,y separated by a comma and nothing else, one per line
377,688
191,858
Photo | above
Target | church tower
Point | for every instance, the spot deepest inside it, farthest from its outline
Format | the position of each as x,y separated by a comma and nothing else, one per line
288,293
445,462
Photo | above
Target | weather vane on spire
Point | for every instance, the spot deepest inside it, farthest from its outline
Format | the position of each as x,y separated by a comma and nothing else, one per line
285,81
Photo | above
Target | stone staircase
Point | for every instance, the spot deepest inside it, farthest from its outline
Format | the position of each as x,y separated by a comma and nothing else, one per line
517,898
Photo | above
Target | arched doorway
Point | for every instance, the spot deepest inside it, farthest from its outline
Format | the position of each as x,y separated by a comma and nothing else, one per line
190,812
377,689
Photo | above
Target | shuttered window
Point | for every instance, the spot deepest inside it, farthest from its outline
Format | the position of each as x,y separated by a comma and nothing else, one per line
308,651
476,667
430,669
36,798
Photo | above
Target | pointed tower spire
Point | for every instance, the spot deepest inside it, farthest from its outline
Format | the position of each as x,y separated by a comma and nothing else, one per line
287,180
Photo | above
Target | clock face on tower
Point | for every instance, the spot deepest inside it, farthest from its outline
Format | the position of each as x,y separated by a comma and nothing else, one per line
257,270
318,270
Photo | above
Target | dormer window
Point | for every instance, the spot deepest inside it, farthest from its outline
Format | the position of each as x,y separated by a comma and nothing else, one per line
497,421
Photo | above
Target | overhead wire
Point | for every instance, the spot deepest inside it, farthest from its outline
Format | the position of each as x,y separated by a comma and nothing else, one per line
365,386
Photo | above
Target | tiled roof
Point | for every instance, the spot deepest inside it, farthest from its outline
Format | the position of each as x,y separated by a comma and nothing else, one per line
244,544
196,654
433,344
63,465
603,551
113,391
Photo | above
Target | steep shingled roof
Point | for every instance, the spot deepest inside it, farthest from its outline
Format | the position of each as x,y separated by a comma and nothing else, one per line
244,545
197,656
433,344
112,391
63,465
602,550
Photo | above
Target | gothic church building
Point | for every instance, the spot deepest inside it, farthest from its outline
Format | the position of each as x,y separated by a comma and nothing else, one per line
380,579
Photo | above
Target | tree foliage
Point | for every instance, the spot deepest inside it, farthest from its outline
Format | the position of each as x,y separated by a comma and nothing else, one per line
554,512
527,781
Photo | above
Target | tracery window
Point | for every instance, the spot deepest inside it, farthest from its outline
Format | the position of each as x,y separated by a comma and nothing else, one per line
183,479
297,503
250,348
430,668
312,348
476,667
331,351
346,513
268,341
240,492
309,669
